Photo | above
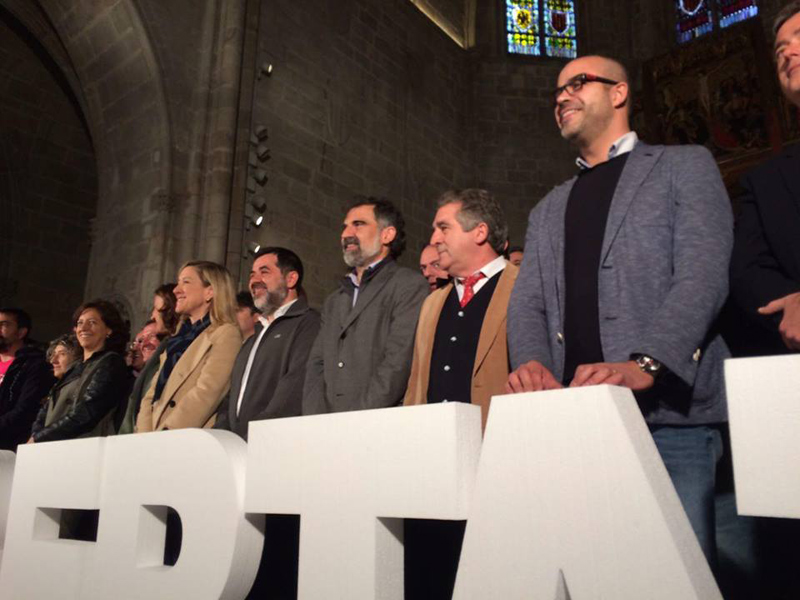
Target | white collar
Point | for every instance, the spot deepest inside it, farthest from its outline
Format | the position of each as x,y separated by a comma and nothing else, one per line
623,145
490,269
282,310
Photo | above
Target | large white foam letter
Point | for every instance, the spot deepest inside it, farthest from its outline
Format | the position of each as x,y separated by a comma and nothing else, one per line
50,477
764,412
573,501
352,477
200,474
6,476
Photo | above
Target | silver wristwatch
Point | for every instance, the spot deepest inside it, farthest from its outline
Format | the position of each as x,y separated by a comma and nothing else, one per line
648,364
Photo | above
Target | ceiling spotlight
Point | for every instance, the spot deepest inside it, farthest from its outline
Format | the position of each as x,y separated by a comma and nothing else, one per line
266,69
260,176
251,185
262,152
261,132
253,247
253,139
252,218
252,160
259,203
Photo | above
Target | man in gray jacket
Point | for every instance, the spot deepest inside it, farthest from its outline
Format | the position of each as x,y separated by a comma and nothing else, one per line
362,356
625,271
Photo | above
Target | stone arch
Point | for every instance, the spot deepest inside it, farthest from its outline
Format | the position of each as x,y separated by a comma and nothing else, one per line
125,309
48,179
106,55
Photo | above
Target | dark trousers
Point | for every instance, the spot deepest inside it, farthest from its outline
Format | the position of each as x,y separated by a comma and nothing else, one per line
432,550
277,572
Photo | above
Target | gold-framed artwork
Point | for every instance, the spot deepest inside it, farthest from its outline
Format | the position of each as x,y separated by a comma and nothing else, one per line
719,91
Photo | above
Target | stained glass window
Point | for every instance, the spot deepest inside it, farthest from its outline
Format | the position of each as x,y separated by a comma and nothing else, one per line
522,27
733,11
698,17
541,27
559,27
694,19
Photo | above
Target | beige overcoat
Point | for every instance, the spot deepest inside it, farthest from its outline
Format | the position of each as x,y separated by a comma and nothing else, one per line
197,384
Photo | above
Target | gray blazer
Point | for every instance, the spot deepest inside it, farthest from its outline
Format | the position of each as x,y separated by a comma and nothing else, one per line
663,279
362,355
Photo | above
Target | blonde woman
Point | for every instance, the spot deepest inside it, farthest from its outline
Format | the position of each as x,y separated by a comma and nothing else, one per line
196,366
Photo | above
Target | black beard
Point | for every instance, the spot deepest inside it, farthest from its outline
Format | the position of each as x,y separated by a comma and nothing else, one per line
274,300
271,301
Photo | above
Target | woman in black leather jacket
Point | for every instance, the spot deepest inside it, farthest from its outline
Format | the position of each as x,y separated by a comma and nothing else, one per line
85,401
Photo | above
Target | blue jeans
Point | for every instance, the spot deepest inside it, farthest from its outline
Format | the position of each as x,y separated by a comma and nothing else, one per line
690,455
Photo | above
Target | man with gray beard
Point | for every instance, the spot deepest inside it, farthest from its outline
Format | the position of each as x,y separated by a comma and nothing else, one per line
362,356
267,377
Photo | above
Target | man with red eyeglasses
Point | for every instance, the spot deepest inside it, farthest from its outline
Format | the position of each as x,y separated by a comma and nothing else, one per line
625,271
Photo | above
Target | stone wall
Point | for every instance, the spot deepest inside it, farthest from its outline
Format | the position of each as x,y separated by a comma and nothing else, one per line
366,97
158,86
370,97
454,17
48,184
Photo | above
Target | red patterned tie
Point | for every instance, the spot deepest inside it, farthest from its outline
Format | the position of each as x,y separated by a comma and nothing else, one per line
469,285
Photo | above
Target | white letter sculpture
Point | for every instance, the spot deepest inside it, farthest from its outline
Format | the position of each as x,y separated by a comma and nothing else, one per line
573,501
48,478
7,460
764,413
352,477
131,479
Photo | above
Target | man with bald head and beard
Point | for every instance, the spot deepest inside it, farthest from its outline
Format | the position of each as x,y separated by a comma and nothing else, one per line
362,356
626,270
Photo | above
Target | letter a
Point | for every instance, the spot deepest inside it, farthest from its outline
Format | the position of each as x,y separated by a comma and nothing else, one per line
573,501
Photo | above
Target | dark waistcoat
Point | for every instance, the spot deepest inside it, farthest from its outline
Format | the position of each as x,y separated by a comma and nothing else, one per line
455,345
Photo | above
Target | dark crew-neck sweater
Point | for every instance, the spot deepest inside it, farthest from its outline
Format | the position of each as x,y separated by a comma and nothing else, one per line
584,229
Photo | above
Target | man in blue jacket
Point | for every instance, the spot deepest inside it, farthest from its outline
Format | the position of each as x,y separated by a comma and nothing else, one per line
625,271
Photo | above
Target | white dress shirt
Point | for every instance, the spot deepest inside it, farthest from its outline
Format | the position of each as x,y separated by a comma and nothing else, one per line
490,269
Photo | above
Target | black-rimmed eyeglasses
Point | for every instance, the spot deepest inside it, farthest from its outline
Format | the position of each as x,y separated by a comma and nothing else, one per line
576,83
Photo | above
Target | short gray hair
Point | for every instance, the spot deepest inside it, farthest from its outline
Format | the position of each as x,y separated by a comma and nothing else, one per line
479,206
786,13
70,343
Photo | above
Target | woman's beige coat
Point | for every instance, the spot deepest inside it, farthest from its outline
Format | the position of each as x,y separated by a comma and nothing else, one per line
197,384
